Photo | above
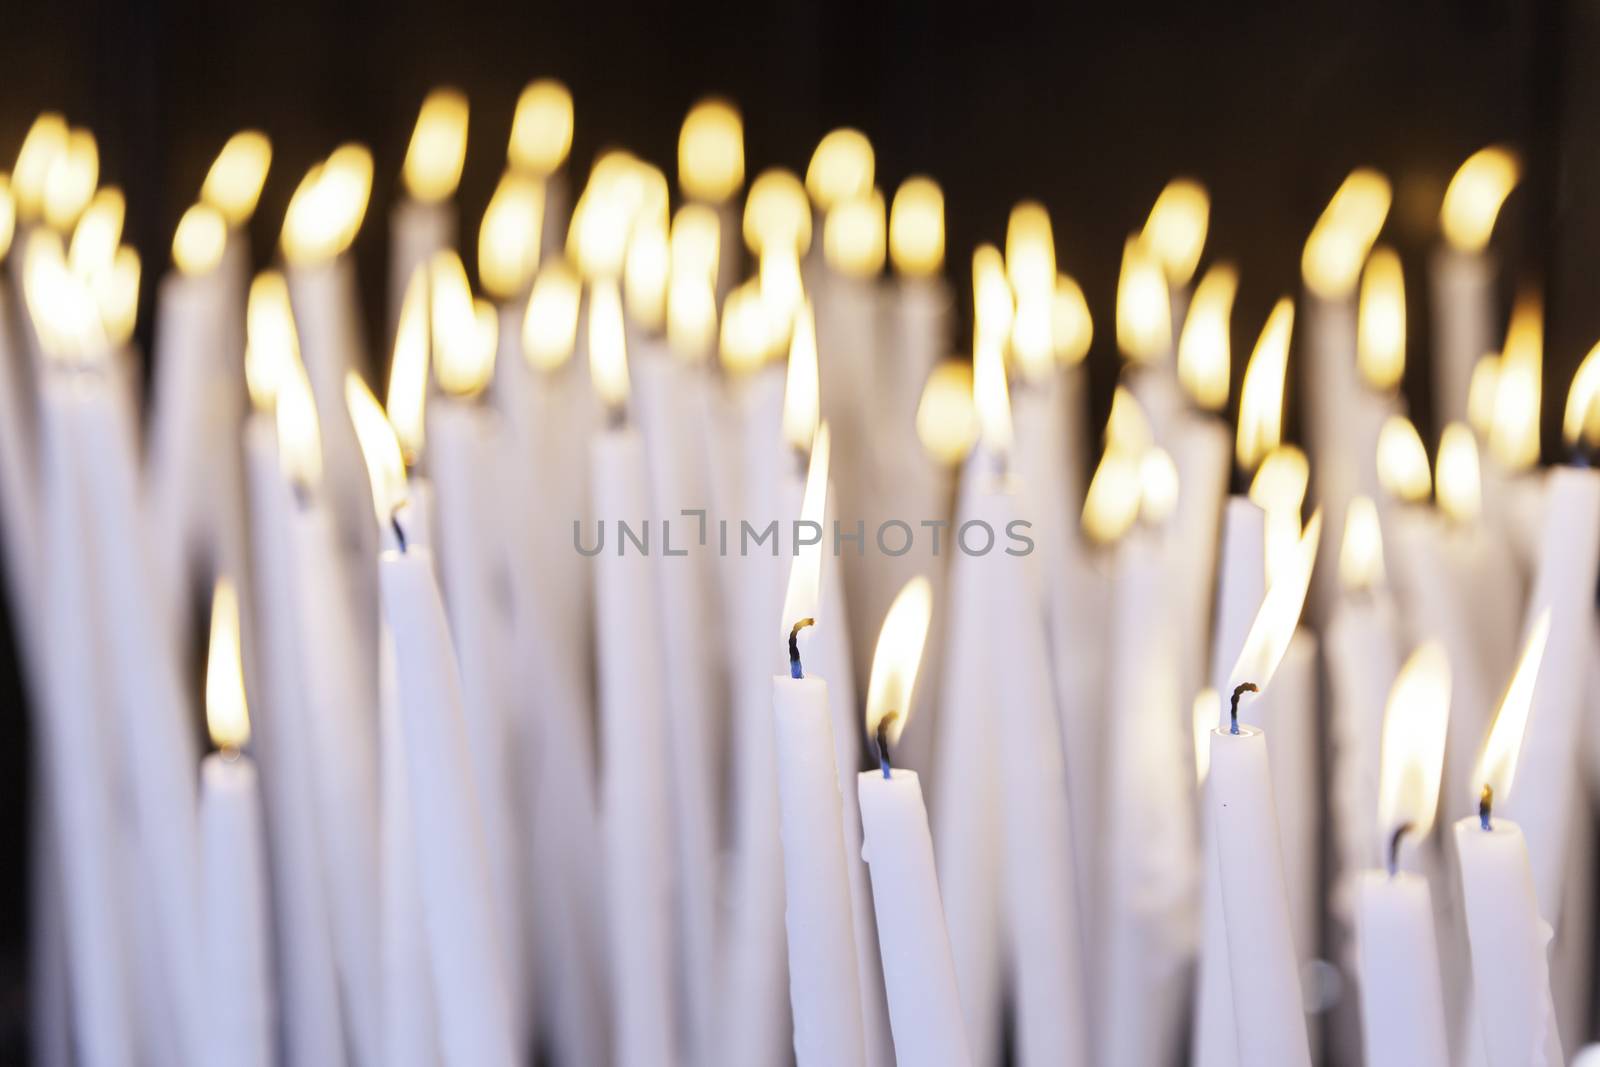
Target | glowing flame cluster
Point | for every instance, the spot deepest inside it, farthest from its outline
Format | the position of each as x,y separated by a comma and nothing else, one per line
1344,233
328,206
1134,480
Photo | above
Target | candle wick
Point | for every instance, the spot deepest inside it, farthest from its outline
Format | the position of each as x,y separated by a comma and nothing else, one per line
794,646
1394,846
399,530
883,743
1233,705
229,753
616,416
1485,806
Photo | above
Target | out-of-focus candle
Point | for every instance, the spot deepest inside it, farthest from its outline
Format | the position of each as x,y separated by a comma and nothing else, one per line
423,221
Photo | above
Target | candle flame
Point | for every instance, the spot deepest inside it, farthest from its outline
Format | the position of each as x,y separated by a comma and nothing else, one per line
1457,481
1279,489
1361,551
1345,231
98,233
1204,347
60,303
916,228
991,397
645,273
508,238
1032,343
70,182
199,240
463,355
8,215
1473,199
897,658
780,288
608,349
801,403
1206,715
1497,765
1275,623
1403,461
1261,393
438,148
711,151
1381,321
1514,433
407,397
1127,426
776,212
1158,487
541,129
328,206
841,169
227,711
1071,328
696,242
116,295
299,438
1580,422
947,419
1030,251
597,238
380,448
1111,503
1176,229
233,184
993,309
801,598
748,335
1144,312
45,140
1414,726
1482,392
550,325
853,236
271,346
691,317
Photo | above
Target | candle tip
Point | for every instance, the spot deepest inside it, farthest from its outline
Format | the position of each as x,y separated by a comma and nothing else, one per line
794,646
883,743
1233,704
1394,846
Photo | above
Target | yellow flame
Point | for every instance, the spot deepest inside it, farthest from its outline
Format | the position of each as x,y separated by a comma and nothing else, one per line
508,238
696,242
1473,199
597,238
779,283
897,657
1403,461
1514,433
227,711
644,276
841,169
199,240
71,179
1261,394
691,317
747,335
1071,327
776,213
1415,723
1032,343
916,228
1206,715
947,419
98,233
991,397
299,438
1459,487
380,448
608,350
801,597
1580,422
45,140
328,206
271,346
438,148
1381,321
8,215
1111,504
407,397
233,184
1204,348
541,129
116,295
801,404
711,151
1497,766
991,294
461,366
1482,392
1158,486
1279,489
853,236
1176,229
60,303
1274,625
1344,233
1144,314
1030,251
1127,427
550,325
1361,551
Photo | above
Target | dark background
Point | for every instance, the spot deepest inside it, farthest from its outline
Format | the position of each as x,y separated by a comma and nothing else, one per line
1089,111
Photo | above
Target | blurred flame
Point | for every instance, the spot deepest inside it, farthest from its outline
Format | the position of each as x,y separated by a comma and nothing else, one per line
916,228
508,238
60,303
71,179
1482,393
541,129
1414,726
1381,321
776,212
380,448
1361,551
1204,349
1071,328
408,371
608,350
801,597
116,295
1580,422
947,418
696,242
1403,461
1127,427
597,238
1497,766
8,216
1344,233
227,714
991,295
801,403
1205,716
841,168
1279,490
1158,487
45,140
1144,315
1261,394
991,397
747,334
1111,504
853,236
780,287
299,438
1032,345
328,206
98,233
1514,433
438,148
1473,199
1457,482
233,184
1275,623
691,317
271,346
711,151
644,276
550,325
897,657
463,363
199,240
1030,251
1175,232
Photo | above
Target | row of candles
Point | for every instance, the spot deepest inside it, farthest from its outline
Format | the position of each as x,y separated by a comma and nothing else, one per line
521,783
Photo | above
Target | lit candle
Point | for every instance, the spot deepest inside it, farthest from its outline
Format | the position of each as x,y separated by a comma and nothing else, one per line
422,222
1402,1005
1144,331
711,172
1508,938
919,972
918,326
238,964
541,139
1175,232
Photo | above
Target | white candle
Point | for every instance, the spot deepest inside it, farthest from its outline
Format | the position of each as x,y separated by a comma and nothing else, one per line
1201,450
422,221
919,971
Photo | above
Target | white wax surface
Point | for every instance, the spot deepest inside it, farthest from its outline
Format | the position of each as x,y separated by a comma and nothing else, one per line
1203,451
238,964
1241,584
1461,287
1402,1007
416,231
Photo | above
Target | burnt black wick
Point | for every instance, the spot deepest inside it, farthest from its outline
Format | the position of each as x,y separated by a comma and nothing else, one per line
1233,705
883,742
1394,846
794,647
1486,806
